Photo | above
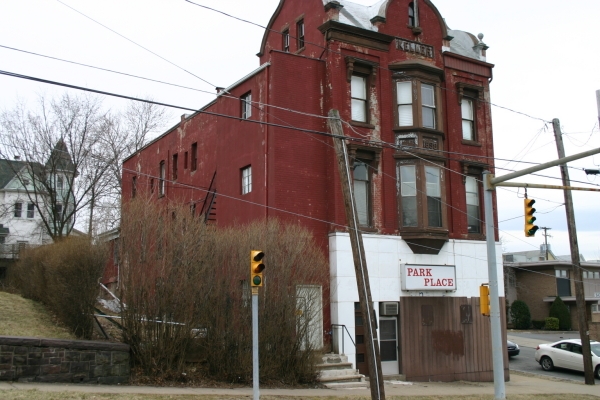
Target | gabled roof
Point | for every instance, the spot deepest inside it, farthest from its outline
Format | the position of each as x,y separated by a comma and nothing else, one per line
8,170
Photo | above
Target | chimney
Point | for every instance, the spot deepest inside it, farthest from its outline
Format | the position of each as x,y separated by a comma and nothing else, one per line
17,157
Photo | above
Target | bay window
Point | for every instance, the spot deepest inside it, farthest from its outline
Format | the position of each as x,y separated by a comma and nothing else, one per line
362,192
416,103
421,195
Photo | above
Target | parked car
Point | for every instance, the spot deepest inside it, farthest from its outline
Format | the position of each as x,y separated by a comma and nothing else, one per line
567,354
513,348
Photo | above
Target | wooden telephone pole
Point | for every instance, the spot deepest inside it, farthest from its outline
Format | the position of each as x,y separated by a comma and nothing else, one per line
360,261
576,266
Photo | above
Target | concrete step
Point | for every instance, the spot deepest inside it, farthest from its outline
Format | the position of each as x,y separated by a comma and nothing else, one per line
334,366
342,378
337,373
347,385
332,358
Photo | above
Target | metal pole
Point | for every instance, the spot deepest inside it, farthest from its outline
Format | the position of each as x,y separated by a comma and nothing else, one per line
496,326
255,383
598,103
588,368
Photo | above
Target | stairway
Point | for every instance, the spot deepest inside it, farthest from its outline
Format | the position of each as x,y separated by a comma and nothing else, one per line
337,373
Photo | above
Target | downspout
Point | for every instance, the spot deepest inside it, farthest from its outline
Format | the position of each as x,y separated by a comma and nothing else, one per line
265,115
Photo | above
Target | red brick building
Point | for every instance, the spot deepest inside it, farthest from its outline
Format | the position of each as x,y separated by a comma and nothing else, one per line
417,94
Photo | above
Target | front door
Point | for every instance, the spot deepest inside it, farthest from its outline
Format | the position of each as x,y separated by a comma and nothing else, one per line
388,345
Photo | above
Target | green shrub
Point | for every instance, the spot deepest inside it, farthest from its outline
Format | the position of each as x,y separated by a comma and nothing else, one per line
519,312
559,310
538,324
551,324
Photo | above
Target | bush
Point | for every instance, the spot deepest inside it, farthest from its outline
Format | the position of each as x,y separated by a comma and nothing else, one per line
186,291
519,312
552,324
559,310
538,324
64,276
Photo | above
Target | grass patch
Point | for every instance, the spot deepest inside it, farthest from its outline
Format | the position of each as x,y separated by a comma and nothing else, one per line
36,395
23,317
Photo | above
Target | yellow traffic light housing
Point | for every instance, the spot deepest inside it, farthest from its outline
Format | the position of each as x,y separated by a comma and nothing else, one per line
530,227
484,300
256,268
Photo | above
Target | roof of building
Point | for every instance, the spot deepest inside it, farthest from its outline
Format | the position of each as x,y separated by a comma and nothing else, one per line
60,158
8,170
360,16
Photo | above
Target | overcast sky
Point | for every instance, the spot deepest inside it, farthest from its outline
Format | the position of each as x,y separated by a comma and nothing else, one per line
545,55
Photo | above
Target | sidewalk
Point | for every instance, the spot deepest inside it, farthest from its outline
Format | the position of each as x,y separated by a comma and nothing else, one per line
519,384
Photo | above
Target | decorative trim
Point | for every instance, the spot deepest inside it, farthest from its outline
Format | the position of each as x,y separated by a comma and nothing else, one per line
356,149
334,30
350,61
461,87
376,19
423,69
333,5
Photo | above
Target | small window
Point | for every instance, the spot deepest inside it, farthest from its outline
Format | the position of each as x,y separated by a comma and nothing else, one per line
161,179
468,121
585,275
246,101
285,35
246,180
428,105
133,186
404,100
300,33
185,160
18,210
411,14
358,92
362,192
434,196
596,275
408,193
175,160
59,183
473,211
562,273
194,156
152,185
30,210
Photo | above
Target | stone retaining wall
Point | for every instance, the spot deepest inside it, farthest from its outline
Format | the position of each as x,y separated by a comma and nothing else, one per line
55,360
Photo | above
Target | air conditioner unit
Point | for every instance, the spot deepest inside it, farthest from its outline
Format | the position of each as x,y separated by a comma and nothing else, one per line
388,308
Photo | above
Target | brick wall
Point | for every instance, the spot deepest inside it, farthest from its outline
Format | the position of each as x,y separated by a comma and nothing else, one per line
533,287
55,360
595,331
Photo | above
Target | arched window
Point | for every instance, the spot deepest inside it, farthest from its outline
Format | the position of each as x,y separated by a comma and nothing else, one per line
411,14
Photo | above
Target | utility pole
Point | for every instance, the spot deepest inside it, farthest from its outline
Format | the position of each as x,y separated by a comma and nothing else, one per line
546,239
576,267
360,261
598,104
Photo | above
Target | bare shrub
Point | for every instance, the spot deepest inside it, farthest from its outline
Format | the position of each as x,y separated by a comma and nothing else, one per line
64,276
194,279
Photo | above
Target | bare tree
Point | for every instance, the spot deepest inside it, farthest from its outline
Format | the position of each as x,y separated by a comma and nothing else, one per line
62,156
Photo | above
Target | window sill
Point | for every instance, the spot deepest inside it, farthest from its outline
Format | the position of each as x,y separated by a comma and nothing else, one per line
400,129
470,143
300,50
475,236
362,124
368,229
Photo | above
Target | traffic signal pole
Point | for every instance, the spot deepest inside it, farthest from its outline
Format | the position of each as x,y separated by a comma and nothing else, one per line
489,183
584,332
255,376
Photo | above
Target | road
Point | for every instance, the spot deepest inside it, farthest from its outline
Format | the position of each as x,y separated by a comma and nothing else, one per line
525,361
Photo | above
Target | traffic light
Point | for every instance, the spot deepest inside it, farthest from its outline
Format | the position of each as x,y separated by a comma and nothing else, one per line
484,300
530,228
256,268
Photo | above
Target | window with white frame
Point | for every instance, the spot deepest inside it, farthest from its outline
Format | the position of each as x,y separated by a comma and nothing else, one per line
434,196
18,210
30,210
358,91
285,36
247,179
59,183
246,101
58,212
473,210
408,194
300,33
404,101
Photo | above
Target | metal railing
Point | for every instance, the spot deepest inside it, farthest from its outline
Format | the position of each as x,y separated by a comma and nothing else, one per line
334,337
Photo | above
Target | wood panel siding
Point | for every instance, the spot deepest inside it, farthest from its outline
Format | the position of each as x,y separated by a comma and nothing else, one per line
447,345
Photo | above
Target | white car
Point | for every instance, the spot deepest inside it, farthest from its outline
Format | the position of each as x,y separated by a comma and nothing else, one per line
567,354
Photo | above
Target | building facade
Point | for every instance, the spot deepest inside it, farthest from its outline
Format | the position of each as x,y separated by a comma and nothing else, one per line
414,99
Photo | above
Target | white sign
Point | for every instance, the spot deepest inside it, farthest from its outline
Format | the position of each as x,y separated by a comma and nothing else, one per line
428,277
597,294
